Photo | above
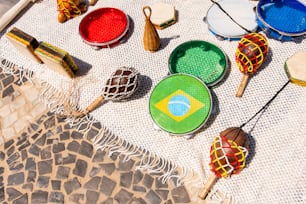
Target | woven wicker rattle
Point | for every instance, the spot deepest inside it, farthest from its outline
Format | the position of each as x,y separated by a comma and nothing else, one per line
151,40
228,156
121,85
250,54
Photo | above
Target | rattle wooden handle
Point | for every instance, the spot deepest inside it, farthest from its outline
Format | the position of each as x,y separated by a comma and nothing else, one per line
89,108
94,105
242,85
12,13
205,190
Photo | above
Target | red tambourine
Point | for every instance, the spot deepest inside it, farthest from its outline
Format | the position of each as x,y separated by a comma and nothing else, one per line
104,27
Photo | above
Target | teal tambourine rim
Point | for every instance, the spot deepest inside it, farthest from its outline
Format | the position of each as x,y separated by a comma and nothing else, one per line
198,43
204,121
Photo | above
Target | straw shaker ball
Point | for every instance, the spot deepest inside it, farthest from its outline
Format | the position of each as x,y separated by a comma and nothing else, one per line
227,156
250,54
121,85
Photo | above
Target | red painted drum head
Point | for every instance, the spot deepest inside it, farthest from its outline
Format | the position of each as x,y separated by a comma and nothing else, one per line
104,26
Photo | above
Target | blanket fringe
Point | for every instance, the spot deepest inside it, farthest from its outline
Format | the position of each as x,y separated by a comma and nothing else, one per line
18,71
148,161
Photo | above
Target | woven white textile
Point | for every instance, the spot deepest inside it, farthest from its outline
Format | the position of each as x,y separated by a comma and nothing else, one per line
276,166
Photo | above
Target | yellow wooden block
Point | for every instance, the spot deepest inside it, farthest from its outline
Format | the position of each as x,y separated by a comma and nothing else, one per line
57,59
24,43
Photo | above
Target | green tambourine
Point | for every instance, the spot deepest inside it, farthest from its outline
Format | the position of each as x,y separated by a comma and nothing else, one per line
201,59
180,104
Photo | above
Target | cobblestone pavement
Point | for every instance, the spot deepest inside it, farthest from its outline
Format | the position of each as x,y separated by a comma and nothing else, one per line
44,160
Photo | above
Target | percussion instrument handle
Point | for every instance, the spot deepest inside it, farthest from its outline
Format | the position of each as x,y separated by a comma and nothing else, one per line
242,85
145,13
13,12
94,104
89,108
205,190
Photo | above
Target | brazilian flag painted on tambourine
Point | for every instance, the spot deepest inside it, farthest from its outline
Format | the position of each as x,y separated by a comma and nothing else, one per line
180,104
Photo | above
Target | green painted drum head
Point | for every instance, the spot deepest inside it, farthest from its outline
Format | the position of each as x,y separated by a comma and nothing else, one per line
200,59
180,104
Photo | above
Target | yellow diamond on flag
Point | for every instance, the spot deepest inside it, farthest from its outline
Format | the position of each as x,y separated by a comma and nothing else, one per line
179,105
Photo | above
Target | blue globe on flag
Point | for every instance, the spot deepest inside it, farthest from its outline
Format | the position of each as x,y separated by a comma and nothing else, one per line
179,105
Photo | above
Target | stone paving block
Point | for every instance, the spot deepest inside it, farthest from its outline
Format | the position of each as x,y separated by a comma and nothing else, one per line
31,176
92,197
163,194
139,189
69,159
94,171
108,168
62,172
39,197
72,185
8,80
45,167
126,179
99,156
123,196
15,179
76,198
2,194
152,197
56,184
30,164
125,165
43,181
34,150
74,146
147,181
10,151
28,186
59,147
46,153
86,149
12,194
7,91
93,183
107,186
56,197
80,168
21,200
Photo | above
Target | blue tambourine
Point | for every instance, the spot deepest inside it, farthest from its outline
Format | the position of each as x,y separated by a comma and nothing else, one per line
281,19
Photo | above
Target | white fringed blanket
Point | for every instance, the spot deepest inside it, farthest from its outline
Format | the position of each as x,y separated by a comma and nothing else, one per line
276,166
